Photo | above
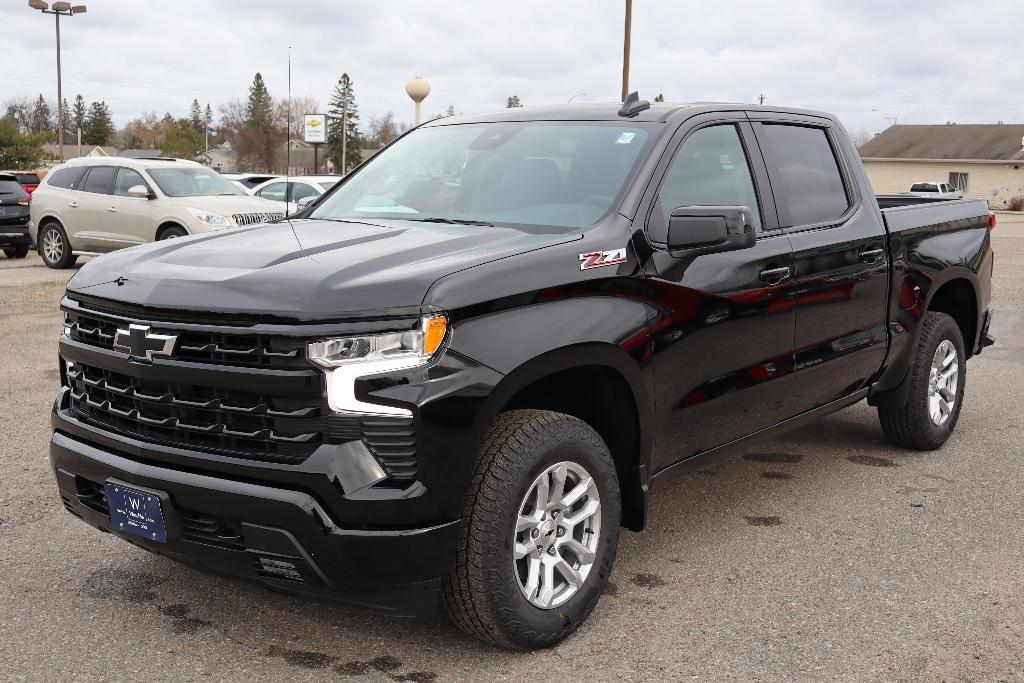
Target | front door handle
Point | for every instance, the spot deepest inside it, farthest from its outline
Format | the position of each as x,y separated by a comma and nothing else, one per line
774,276
112,209
872,255
73,205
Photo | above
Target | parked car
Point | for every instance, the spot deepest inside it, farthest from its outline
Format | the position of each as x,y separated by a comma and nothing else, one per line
14,214
249,180
28,179
92,205
287,193
934,188
453,379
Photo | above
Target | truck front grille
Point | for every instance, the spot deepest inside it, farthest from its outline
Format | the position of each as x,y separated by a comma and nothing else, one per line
249,350
236,423
254,218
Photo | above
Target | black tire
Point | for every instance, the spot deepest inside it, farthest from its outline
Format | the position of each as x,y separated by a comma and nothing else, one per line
20,251
910,425
51,257
172,232
482,594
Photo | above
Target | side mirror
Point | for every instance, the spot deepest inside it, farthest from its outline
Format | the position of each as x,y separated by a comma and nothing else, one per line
711,229
139,192
305,201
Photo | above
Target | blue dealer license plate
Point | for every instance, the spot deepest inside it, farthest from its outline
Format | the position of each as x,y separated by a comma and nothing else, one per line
136,512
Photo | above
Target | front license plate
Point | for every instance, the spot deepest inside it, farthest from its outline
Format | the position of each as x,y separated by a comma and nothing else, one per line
136,512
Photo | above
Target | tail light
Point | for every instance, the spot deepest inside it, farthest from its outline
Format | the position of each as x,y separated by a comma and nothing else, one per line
991,220
25,201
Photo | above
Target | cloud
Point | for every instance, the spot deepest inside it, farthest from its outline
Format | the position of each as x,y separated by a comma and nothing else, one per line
953,61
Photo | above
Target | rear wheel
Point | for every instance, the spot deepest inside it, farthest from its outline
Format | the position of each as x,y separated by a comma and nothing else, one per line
20,251
542,527
55,248
937,374
171,232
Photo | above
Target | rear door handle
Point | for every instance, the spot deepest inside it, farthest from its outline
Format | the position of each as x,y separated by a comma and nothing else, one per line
872,255
112,209
73,205
774,276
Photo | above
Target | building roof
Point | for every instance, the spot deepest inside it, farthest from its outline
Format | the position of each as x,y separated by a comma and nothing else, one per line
71,150
981,142
139,153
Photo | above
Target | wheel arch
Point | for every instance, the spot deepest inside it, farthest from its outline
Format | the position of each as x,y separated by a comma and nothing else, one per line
600,384
957,297
166,224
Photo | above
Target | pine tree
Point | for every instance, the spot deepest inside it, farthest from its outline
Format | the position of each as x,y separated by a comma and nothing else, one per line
195,116
70,134
513,102
343,103
98,124
258,139
79,114
208,115
42,118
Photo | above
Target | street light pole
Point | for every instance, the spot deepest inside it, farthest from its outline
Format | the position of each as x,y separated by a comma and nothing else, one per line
625,50
58,9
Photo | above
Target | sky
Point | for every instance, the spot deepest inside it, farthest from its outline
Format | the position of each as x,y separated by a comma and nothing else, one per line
868,61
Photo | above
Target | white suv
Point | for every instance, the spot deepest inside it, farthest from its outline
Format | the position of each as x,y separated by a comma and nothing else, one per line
93,205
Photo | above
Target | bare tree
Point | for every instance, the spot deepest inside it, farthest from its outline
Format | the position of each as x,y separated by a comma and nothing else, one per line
384,130
860,136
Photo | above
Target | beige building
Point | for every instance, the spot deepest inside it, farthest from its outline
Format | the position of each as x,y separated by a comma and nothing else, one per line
986,161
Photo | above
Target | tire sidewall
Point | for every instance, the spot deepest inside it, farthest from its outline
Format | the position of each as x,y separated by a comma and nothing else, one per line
515,610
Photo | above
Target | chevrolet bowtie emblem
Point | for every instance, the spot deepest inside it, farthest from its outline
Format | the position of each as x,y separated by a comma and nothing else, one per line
140,343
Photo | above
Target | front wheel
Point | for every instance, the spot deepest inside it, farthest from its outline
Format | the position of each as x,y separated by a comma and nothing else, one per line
541,529
20,251
171,233
937,375
55,248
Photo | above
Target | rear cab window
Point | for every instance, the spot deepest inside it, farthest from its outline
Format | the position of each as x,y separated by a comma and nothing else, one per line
813,191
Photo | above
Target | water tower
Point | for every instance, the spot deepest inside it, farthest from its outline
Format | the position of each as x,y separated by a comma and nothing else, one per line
417,89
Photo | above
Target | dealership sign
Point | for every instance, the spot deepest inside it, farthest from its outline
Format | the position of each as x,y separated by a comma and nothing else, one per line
315,127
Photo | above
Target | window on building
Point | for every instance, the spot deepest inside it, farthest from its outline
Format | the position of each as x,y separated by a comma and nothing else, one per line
958,180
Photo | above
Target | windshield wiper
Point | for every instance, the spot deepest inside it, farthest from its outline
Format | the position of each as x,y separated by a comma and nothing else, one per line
452,221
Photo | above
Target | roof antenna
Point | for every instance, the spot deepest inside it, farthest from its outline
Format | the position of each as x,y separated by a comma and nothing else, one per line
288,136
633,105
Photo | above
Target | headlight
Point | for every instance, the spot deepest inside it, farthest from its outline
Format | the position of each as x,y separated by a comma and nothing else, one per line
348,358
210,218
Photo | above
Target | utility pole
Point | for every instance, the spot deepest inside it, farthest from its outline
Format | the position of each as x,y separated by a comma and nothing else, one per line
344,136
625,49
57,10
760,98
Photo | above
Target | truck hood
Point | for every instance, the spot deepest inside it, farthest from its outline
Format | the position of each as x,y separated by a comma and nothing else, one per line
305,270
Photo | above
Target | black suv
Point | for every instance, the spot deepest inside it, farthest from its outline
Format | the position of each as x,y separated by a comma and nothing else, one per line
457,374
14,215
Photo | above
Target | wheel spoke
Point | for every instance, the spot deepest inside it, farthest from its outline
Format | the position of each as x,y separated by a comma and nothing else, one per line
946,395
570,574
581,489
557,484
532,577
547,588
522,550
588,510
542,495
525,522
584,555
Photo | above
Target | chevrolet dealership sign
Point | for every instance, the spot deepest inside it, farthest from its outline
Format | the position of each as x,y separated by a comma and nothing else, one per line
315,127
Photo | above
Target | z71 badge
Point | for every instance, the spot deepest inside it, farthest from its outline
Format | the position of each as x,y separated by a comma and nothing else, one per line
596,259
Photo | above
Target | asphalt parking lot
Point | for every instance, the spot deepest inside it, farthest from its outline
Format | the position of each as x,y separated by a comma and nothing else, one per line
825,554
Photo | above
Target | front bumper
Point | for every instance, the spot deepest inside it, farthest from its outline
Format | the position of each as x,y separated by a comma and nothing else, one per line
279,537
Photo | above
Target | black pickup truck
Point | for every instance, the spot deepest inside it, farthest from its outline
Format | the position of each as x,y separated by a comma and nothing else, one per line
454,377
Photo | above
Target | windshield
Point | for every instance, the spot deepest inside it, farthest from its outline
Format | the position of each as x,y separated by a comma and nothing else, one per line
539,173
192,182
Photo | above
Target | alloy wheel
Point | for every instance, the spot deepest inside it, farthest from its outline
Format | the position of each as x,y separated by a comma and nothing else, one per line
556,534
53,245
942,382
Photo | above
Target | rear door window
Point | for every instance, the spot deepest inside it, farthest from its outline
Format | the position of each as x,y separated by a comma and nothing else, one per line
99,180
807,173
302,190
66,178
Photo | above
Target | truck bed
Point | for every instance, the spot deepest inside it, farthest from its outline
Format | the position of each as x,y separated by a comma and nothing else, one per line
903,212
